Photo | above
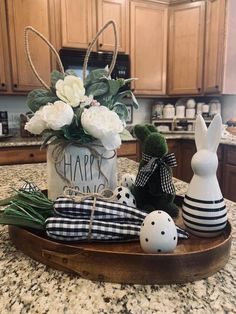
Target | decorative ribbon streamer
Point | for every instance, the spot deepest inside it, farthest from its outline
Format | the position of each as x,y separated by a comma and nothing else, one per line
152,163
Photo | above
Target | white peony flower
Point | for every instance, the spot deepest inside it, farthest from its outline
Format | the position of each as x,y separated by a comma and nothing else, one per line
36,125
103,124
57,115
52,116
71,90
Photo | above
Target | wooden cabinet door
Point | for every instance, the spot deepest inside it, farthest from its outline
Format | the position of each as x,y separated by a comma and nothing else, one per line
229,182
187,150
117,10
174,147
36,14
77,23
186,44
4,53
148,47
214,55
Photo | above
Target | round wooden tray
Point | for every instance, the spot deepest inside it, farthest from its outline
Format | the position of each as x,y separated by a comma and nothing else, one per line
193,259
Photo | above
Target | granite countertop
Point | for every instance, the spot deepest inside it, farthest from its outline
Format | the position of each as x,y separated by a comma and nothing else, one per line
30,287
32,141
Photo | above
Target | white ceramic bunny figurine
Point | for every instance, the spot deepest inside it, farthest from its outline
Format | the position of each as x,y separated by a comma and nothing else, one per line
204,210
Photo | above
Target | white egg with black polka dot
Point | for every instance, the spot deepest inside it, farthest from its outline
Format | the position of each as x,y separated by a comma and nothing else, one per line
128,180
124,196
158,233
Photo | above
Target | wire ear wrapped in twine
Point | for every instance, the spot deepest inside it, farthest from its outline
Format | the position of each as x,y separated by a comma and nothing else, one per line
85,64
59,150
28,55
113,62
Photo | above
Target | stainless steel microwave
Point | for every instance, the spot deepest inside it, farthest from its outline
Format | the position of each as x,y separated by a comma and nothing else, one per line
74,59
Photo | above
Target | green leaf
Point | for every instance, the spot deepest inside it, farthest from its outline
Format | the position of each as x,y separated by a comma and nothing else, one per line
105,100
129,80
40,97
78,112
128,93
56,76
97,89
135,102
114,86
95,76
121,110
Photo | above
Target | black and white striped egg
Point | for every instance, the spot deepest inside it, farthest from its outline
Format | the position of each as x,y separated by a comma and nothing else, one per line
124,196
128,180
158,233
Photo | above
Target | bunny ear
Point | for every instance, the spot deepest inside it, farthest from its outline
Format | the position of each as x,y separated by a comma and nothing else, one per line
200,133
214,133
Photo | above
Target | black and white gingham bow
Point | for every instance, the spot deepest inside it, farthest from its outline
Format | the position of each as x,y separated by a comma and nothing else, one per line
152,163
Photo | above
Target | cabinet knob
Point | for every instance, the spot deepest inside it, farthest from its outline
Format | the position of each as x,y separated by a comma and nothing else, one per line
217,86
199,89
15,85
3,84
31,155
100,45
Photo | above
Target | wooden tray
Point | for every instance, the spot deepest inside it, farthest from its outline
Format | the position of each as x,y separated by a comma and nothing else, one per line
193,259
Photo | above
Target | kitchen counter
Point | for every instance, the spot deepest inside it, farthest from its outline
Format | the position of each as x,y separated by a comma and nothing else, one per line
30,287
37,141
230,140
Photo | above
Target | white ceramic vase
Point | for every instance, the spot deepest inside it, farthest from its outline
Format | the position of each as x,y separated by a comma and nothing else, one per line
204,210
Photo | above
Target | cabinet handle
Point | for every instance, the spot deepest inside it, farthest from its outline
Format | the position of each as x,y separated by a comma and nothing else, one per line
3,84
100,45
31,155
199,89
15,85
217,86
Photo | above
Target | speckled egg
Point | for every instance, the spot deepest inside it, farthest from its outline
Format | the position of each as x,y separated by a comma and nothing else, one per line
124,196
158,233
128,180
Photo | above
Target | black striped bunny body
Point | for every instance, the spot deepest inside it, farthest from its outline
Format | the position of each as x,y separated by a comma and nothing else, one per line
204,210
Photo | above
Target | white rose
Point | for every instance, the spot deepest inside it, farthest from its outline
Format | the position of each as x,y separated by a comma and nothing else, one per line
70,90
36,125
103,124
57,115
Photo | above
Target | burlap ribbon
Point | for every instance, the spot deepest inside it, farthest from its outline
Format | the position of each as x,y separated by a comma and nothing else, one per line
78,196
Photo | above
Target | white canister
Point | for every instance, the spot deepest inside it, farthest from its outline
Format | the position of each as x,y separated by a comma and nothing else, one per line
0,128
190,113
199,107
180,111
169,112
87,170
205,108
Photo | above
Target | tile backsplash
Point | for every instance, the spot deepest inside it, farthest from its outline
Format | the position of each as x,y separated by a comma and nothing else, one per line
15,105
